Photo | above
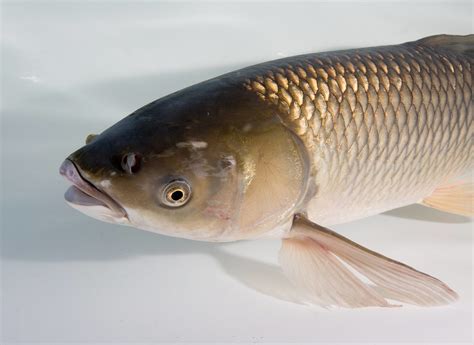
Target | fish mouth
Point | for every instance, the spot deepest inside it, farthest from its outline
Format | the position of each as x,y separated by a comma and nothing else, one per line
84,195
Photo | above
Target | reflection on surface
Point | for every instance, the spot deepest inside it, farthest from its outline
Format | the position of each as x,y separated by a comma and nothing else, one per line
264,278
420,212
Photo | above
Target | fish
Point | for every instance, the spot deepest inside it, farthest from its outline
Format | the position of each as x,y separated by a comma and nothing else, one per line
287,148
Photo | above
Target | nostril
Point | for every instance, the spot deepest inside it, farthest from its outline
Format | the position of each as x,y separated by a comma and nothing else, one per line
131,163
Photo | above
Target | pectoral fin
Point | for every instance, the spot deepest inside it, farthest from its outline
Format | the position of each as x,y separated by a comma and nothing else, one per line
324,264
457,198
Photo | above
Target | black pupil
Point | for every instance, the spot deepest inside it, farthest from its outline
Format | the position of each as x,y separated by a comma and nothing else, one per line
177,195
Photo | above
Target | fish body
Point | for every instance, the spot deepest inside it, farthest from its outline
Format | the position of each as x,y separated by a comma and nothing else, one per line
285,147
384,127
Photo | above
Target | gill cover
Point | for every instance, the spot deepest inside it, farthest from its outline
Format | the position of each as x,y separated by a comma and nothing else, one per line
274,179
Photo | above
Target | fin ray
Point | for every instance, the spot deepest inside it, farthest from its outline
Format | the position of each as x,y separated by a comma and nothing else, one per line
457,198
315,260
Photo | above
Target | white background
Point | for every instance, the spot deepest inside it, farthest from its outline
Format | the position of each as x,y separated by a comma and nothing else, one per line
70,69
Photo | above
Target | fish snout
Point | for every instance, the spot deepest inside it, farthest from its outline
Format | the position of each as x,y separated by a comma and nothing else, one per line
69,171
84,193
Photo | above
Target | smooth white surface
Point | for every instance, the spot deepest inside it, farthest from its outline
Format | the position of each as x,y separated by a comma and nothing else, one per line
70,69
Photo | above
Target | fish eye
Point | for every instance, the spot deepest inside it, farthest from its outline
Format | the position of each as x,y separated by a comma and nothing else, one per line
176,193
131,163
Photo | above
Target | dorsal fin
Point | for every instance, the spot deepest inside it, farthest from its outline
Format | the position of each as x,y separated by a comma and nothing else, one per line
459,44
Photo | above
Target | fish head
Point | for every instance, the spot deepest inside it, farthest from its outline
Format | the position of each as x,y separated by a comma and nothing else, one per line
186,166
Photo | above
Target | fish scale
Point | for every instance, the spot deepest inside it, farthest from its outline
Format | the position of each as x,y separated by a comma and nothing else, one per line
384,126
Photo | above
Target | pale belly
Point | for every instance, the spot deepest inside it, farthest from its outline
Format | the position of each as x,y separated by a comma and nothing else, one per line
353,185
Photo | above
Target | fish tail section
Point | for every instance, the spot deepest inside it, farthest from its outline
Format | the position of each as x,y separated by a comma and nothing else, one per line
334,271
460,44
457,198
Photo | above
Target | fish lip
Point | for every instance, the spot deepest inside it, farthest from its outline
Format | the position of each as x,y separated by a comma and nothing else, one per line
72,173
